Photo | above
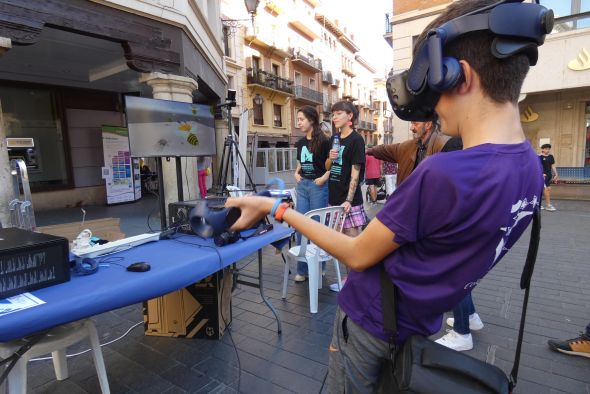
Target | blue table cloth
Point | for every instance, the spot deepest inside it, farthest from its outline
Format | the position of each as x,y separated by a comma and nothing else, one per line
175,264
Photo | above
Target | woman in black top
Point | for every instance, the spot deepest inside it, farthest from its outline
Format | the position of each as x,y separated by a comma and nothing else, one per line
311,175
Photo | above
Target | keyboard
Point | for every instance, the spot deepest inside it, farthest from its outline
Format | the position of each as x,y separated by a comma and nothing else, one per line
116,246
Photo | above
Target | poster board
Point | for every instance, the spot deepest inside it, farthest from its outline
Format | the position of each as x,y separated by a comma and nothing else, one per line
118,171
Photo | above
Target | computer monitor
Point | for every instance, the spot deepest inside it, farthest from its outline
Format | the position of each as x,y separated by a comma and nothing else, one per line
162,128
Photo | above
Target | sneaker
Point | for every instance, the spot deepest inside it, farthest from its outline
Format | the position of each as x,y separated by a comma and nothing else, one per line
542,208
550,207
456,341
300,278
335,287
579,346
475,323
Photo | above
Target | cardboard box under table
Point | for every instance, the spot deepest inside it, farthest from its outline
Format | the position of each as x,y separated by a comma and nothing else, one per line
201,310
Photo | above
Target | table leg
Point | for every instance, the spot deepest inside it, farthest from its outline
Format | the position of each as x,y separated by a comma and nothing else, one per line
279,328
260,286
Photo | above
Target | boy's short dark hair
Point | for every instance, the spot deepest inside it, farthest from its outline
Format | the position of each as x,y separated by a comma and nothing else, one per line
546,146
501,79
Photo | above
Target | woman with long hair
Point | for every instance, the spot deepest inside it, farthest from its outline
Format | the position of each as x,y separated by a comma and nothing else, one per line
311,174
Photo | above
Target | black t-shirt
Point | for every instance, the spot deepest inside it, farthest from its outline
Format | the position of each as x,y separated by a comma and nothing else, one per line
547,162
313,165
352,151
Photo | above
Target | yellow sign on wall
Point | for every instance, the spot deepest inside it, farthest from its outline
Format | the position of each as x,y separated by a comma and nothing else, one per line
580,63
528,115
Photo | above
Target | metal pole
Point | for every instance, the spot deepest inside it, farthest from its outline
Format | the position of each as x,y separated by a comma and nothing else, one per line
179,179
161,199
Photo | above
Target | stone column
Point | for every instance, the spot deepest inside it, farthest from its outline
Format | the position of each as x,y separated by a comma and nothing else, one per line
5,176
175,88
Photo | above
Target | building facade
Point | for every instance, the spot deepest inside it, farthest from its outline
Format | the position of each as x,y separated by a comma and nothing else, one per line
555,99
293,53
69,66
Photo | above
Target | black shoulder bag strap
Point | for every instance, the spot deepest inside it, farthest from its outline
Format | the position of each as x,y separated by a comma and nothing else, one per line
388,294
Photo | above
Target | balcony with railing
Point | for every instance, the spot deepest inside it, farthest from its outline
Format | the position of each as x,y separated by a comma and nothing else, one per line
269,81
303,58
348,69
308,95
327,77
327,104
388,29
336,83
572,22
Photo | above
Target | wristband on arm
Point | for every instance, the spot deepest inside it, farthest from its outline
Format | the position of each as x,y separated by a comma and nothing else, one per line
275,206
280,211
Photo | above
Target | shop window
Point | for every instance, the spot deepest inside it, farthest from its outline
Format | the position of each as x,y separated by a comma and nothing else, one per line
31,113
258,113
278,116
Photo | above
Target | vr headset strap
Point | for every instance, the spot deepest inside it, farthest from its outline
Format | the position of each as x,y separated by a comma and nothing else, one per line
388,291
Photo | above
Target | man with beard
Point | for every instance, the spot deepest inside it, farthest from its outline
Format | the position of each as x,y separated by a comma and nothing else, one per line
427,141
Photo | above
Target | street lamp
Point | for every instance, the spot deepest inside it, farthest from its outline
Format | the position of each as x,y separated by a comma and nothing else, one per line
234,24
251,6
258,100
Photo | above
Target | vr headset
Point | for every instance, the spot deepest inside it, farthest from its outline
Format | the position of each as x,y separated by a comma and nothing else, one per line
208,223
517,28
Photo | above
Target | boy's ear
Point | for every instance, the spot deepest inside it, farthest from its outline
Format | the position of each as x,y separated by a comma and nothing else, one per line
468,81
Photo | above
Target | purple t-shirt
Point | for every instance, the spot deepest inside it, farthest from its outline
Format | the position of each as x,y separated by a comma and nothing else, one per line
454,218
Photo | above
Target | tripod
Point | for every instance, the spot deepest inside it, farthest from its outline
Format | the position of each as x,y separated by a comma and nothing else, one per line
230,148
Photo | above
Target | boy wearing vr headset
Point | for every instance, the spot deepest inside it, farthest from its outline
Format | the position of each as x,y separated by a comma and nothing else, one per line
458,213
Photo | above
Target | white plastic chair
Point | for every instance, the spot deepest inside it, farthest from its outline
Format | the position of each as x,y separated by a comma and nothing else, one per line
235,191
309,253
55,342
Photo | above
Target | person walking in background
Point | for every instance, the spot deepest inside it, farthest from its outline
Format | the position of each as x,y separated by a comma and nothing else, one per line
346,168
549,174
390,175
579,346
203,170
311,175
372,174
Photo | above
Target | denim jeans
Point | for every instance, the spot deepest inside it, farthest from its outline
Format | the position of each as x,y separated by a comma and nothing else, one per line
461,314
309,197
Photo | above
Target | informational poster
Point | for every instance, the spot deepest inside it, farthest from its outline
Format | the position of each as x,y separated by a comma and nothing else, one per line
118,171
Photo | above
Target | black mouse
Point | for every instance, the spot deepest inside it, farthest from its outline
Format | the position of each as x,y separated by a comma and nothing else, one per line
139,267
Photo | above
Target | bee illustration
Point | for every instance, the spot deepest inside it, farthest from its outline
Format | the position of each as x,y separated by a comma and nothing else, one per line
192,139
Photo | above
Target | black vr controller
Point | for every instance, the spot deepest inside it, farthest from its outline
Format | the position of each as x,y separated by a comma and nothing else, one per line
517,29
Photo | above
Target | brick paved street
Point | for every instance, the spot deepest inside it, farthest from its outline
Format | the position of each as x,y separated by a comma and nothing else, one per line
296,361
